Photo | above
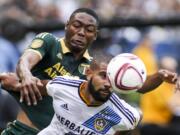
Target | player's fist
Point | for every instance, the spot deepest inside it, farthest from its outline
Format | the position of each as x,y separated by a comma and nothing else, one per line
168,76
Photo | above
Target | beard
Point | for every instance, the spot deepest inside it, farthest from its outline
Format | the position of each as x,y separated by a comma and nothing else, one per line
96,93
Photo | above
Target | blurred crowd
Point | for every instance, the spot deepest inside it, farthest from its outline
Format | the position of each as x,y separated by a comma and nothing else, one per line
17,15
157,46
40,10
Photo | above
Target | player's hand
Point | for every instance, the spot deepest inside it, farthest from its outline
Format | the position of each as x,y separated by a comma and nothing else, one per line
168,76
29,90
9,81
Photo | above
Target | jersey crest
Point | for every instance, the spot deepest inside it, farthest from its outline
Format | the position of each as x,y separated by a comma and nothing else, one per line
103,121
82,68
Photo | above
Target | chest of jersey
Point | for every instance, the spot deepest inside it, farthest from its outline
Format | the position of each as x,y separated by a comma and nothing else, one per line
54,65
76,117
57,59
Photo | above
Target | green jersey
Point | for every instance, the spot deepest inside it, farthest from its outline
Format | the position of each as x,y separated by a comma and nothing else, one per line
56,60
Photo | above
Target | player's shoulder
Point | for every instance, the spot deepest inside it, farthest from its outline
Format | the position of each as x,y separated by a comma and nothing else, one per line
130,113
115,98
47,37
44,35
120,103
67,81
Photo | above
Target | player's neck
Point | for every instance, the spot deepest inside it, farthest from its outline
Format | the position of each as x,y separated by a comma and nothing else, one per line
87,97
77,55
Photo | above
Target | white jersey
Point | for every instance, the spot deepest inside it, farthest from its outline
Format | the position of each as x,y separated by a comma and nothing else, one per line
74,117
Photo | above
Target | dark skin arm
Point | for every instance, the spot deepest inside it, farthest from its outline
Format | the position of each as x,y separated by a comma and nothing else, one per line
153,81
10,82
29,91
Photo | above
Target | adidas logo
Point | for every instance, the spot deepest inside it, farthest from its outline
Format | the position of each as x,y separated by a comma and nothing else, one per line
65,106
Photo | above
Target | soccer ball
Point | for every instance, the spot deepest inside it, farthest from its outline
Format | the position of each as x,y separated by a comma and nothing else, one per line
126,73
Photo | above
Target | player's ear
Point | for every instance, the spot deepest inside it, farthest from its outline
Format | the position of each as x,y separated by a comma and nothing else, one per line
66,25
95,37
88,72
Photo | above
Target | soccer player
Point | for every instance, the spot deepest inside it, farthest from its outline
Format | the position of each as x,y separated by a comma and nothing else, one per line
87,107
47,57
84,107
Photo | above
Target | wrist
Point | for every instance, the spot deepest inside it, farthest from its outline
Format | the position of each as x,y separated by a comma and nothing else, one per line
23,76
159,75
17,87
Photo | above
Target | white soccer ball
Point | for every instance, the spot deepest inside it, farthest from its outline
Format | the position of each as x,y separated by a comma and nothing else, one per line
126,73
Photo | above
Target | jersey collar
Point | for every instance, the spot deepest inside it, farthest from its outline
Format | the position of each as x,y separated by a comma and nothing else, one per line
83,98
66,50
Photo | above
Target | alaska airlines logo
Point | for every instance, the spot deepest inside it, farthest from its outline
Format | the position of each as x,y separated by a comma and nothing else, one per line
56,70
59,69
103,121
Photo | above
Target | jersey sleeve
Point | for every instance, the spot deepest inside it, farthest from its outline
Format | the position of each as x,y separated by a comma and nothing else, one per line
42,43
130,116
50,88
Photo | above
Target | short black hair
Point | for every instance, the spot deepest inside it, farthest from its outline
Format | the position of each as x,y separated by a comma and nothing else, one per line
98,58
88,11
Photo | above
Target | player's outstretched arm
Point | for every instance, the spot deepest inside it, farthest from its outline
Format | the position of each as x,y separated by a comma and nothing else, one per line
29,84
11,82
153,81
